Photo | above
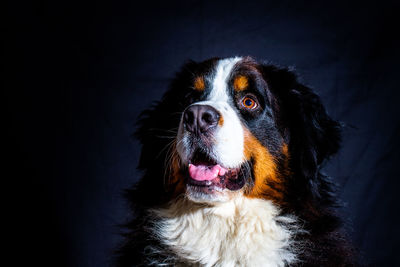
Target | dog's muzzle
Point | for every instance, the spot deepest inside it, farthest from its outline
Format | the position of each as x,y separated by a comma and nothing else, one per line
200,119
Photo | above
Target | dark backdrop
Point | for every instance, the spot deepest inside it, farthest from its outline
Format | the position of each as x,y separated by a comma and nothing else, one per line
77,74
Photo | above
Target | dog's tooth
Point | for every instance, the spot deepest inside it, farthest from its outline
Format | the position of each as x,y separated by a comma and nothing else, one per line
216,188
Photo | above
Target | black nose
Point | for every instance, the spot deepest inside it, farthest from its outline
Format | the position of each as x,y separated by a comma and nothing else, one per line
200,118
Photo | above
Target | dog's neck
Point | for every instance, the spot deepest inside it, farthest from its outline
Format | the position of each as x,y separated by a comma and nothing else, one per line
240,232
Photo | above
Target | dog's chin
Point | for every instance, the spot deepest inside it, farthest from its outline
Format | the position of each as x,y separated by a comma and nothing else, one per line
199,196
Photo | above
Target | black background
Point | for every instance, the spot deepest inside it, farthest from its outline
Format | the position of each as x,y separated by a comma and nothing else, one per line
77,74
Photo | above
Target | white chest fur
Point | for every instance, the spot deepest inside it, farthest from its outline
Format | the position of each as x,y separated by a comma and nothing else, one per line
241,232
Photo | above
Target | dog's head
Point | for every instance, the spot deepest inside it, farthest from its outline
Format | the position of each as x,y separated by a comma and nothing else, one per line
238,127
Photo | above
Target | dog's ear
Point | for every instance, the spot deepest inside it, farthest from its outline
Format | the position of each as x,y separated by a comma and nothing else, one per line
313,136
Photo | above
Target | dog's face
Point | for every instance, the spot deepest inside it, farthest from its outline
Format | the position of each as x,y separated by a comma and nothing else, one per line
239,128
228,141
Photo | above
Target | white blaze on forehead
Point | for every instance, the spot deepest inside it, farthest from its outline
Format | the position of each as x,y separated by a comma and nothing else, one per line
228,147
229,138
219,90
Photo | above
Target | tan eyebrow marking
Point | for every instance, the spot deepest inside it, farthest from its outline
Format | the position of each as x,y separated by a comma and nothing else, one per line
199,84
240,83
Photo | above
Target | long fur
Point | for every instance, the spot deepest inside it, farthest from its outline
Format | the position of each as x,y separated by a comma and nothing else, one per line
246,232
303,229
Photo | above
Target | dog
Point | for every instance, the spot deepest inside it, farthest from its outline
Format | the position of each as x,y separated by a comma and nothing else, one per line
231,160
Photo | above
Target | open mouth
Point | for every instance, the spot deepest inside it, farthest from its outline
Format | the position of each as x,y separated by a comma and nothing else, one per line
205,175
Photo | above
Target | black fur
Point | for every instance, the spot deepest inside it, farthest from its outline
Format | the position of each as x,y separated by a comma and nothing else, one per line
298,116
313,137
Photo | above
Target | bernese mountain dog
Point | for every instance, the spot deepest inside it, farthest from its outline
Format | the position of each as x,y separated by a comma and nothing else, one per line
231,160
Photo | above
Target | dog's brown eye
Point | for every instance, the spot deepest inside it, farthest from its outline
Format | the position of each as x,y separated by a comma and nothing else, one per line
249,103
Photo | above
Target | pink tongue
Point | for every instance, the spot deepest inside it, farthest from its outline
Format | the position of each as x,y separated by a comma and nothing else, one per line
206,173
